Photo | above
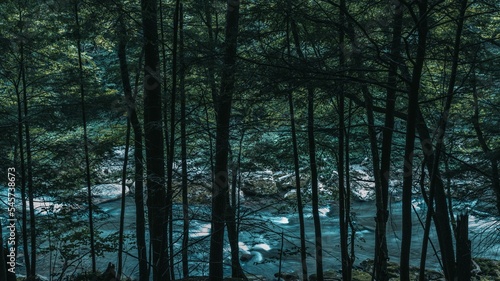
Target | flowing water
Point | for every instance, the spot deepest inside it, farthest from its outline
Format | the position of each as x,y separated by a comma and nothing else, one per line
265,232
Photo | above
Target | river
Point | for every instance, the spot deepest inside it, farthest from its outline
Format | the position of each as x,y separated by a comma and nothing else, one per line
262,232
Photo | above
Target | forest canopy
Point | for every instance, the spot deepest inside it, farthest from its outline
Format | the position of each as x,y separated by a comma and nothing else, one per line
245,105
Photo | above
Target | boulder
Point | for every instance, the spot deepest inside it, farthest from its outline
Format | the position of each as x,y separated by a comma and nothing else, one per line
260,183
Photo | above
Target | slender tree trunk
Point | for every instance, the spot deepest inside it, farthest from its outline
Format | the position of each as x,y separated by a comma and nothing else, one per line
440,216
232,234
29,163
314,183
441,213
422,30
232,219
184,173
171,142
170,135
344,206
130,99
300,208
296,167
122,203
27,260
85,142
381,251
223,110
154,143
122,43
312,160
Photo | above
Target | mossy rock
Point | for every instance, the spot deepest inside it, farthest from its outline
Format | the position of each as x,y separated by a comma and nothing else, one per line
358,275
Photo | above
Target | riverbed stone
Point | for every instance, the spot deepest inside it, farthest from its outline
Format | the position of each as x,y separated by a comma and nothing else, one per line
259,183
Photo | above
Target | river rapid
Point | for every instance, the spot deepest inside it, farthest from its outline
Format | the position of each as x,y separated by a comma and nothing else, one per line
263,232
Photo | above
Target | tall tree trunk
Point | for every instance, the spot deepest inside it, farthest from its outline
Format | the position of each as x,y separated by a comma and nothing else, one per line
232,219
127,89
342,168
422,30
184,173
312,160
138,157
300,208
314,183
232,234
170,140
381,251
223,111
441,213
154,143
27,260
122,201
296,167
29,163
85,141
440,217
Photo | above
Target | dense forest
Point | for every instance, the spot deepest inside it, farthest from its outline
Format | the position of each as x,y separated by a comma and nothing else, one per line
253,140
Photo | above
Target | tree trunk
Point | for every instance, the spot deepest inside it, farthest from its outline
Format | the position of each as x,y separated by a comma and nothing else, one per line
312,160
422,30
130,100
184,174
314,183
300,208
127,89
27,260
154,143
85,142
381,251
464,258
223,109
344,205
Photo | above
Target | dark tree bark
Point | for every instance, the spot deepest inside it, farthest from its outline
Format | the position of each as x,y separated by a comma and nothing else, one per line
312,159
130,100
296,167
85,140
22,164
223,104
170,135
381,251
127,89
314,184
464,258
441,214
232,234
184,174
300,207
422,30
154,143
343,167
